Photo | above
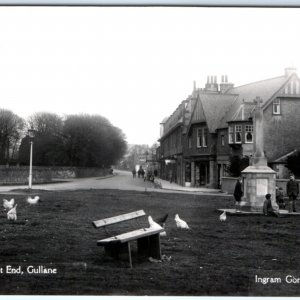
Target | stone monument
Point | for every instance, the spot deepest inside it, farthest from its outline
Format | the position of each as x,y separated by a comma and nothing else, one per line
258,178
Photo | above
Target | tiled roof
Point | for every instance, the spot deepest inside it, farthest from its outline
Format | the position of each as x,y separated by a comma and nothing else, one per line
264,89
215,106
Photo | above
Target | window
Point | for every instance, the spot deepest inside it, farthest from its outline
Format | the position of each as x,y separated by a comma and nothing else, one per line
199,137
238,134
230,135
222,140
204,137
276,106
202,134
249,133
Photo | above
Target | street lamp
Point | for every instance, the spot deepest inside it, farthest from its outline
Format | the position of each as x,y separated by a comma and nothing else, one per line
146,171
31,134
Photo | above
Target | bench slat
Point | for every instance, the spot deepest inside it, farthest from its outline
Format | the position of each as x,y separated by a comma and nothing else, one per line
129,236
120,218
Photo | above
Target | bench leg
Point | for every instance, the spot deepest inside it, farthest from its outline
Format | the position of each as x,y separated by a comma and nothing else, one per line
129,255
154,246
143,246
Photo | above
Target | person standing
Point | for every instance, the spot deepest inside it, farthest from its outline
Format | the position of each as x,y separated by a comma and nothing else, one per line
238,194
134,173
292,190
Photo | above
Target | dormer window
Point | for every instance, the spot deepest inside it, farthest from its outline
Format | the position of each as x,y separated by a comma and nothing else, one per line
276,106
238,134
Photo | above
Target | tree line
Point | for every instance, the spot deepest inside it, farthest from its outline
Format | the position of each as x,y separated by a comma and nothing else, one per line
74,140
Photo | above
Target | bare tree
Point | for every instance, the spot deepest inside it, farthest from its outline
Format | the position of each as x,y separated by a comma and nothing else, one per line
11,131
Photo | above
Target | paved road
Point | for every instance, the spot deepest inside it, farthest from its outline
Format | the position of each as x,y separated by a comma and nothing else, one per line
122,180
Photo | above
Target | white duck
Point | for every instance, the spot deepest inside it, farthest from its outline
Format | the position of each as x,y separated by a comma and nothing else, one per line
155,226
181,223
8,204
223,216
12,214
34,200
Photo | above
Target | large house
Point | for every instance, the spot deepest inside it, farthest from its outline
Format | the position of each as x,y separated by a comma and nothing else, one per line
215,122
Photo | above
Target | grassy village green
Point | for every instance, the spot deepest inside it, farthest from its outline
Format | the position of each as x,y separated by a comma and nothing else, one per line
213,258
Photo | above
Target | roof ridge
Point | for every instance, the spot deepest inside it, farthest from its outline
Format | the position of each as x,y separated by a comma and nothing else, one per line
268,79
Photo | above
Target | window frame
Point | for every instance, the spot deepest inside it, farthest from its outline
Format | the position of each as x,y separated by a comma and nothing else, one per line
236,132
199,138
204,137
276,104
248,131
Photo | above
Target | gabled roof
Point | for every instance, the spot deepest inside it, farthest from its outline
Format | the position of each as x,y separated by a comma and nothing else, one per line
211,108
264,89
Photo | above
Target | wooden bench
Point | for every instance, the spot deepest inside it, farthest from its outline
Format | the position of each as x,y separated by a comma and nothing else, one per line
148,239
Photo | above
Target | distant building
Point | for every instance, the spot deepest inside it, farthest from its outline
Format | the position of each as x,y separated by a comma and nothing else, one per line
215,123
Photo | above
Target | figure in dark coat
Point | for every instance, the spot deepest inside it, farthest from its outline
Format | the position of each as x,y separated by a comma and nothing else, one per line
238,194
268,209
292,190
134,173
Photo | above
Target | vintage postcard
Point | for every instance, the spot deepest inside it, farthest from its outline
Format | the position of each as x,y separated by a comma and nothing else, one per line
149,151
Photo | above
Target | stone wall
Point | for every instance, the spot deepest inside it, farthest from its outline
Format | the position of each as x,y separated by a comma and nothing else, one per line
19,175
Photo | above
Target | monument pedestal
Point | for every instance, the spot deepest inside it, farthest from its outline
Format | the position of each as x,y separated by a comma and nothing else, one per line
258,181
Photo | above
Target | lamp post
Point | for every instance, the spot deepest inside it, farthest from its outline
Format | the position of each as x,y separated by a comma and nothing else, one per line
146,171
31,134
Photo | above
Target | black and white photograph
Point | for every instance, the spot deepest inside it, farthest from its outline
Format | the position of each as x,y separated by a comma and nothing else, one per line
149,150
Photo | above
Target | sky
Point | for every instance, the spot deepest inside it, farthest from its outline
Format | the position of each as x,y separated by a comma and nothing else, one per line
134,65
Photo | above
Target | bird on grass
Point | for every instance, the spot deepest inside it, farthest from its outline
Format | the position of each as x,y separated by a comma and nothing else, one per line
223,216
181,223
12,214
162,221
34,200
154,225
8,204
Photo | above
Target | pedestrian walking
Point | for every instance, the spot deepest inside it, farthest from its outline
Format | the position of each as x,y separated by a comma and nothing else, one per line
292,190
134,173
238,194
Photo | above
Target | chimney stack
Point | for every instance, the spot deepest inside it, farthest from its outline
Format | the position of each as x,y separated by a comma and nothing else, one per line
211,85
225,86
